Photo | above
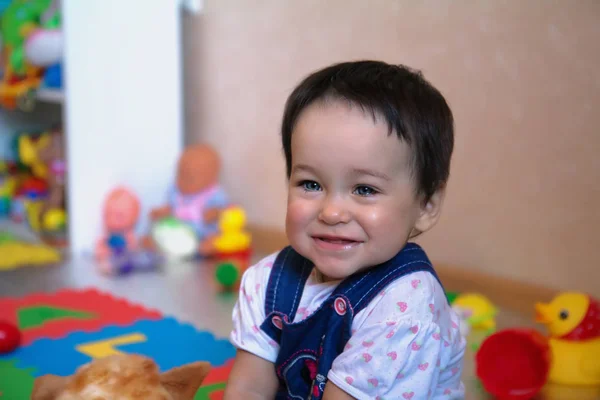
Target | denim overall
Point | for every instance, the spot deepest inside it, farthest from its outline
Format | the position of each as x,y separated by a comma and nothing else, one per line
309,347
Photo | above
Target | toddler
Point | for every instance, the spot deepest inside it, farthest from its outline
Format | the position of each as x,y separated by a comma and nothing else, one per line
353,308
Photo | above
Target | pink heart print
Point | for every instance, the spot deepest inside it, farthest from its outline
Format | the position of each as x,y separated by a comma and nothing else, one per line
257,288
389,335
408,395
447,391
454,325
367,357
423,367
349,380
415,283
436,336
414,329
269,264
431,308
415,346
454,370
348,346
402,305
373,382
255,328
367,343
393,355
390,323
400,375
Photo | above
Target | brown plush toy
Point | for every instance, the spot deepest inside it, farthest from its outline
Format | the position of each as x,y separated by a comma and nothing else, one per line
123,377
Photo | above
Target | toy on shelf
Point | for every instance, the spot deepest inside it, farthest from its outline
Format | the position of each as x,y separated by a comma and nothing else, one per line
44,46
573,322
126,377
197,199
10,337
21,77
46,157
117,251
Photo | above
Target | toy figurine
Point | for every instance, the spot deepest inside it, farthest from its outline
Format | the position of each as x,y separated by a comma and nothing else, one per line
573,321
121,213
197,199
124,377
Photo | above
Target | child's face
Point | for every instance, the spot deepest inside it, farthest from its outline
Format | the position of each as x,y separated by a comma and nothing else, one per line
351,199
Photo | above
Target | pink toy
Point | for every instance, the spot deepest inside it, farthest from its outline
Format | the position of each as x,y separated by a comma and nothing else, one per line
121,213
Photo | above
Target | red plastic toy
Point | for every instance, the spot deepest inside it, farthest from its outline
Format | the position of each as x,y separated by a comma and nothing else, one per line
513,364
10,337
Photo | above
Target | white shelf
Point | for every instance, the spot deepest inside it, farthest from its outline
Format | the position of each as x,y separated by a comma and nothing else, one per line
50,95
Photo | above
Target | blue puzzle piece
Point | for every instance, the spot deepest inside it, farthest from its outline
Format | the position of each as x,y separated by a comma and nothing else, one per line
169,343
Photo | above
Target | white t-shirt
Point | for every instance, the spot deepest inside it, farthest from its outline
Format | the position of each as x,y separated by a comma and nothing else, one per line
405,344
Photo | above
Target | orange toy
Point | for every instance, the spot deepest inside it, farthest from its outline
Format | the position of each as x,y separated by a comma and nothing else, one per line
124,377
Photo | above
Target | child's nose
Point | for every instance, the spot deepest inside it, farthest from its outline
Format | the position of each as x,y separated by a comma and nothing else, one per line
334,211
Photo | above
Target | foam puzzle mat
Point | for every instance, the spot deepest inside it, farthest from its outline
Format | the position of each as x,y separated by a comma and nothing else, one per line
64,330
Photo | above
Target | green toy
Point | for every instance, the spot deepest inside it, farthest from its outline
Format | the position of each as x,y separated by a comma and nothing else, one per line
16,22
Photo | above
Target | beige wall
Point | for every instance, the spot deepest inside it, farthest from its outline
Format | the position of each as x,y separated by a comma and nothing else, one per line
522,77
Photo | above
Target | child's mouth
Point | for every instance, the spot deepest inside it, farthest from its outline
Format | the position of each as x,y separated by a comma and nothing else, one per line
335,243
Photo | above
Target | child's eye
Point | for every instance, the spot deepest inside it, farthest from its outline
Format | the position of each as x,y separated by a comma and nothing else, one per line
365,191
310,186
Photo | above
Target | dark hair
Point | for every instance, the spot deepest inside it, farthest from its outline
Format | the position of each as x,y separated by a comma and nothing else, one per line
411,106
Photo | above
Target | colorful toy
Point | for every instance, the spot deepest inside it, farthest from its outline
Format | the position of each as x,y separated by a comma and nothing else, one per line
573,321
175,239
232,238
46,157
10,337
20,78
71,328
197,199
126,377
476,310
121,212
230,247
513,364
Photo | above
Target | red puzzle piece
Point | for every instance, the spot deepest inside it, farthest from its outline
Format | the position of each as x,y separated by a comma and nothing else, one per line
104,308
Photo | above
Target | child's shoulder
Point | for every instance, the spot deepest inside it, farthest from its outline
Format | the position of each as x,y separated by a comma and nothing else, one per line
259,272
416,296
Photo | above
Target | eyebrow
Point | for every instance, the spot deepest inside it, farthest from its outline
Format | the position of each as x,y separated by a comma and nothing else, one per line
355,171
376,174
303,167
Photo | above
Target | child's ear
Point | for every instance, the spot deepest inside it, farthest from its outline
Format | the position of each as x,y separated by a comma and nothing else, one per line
430,211
183,382
48,387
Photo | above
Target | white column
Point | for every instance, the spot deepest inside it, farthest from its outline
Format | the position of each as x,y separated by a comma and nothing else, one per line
123,105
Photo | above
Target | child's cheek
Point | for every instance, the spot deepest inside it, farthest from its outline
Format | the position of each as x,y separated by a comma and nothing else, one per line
300,212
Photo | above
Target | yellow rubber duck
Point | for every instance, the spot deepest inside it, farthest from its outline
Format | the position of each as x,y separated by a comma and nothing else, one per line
232,237
573,321
477,310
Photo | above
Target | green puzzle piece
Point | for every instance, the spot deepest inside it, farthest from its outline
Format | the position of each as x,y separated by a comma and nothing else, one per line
15,383
205,391
31,317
